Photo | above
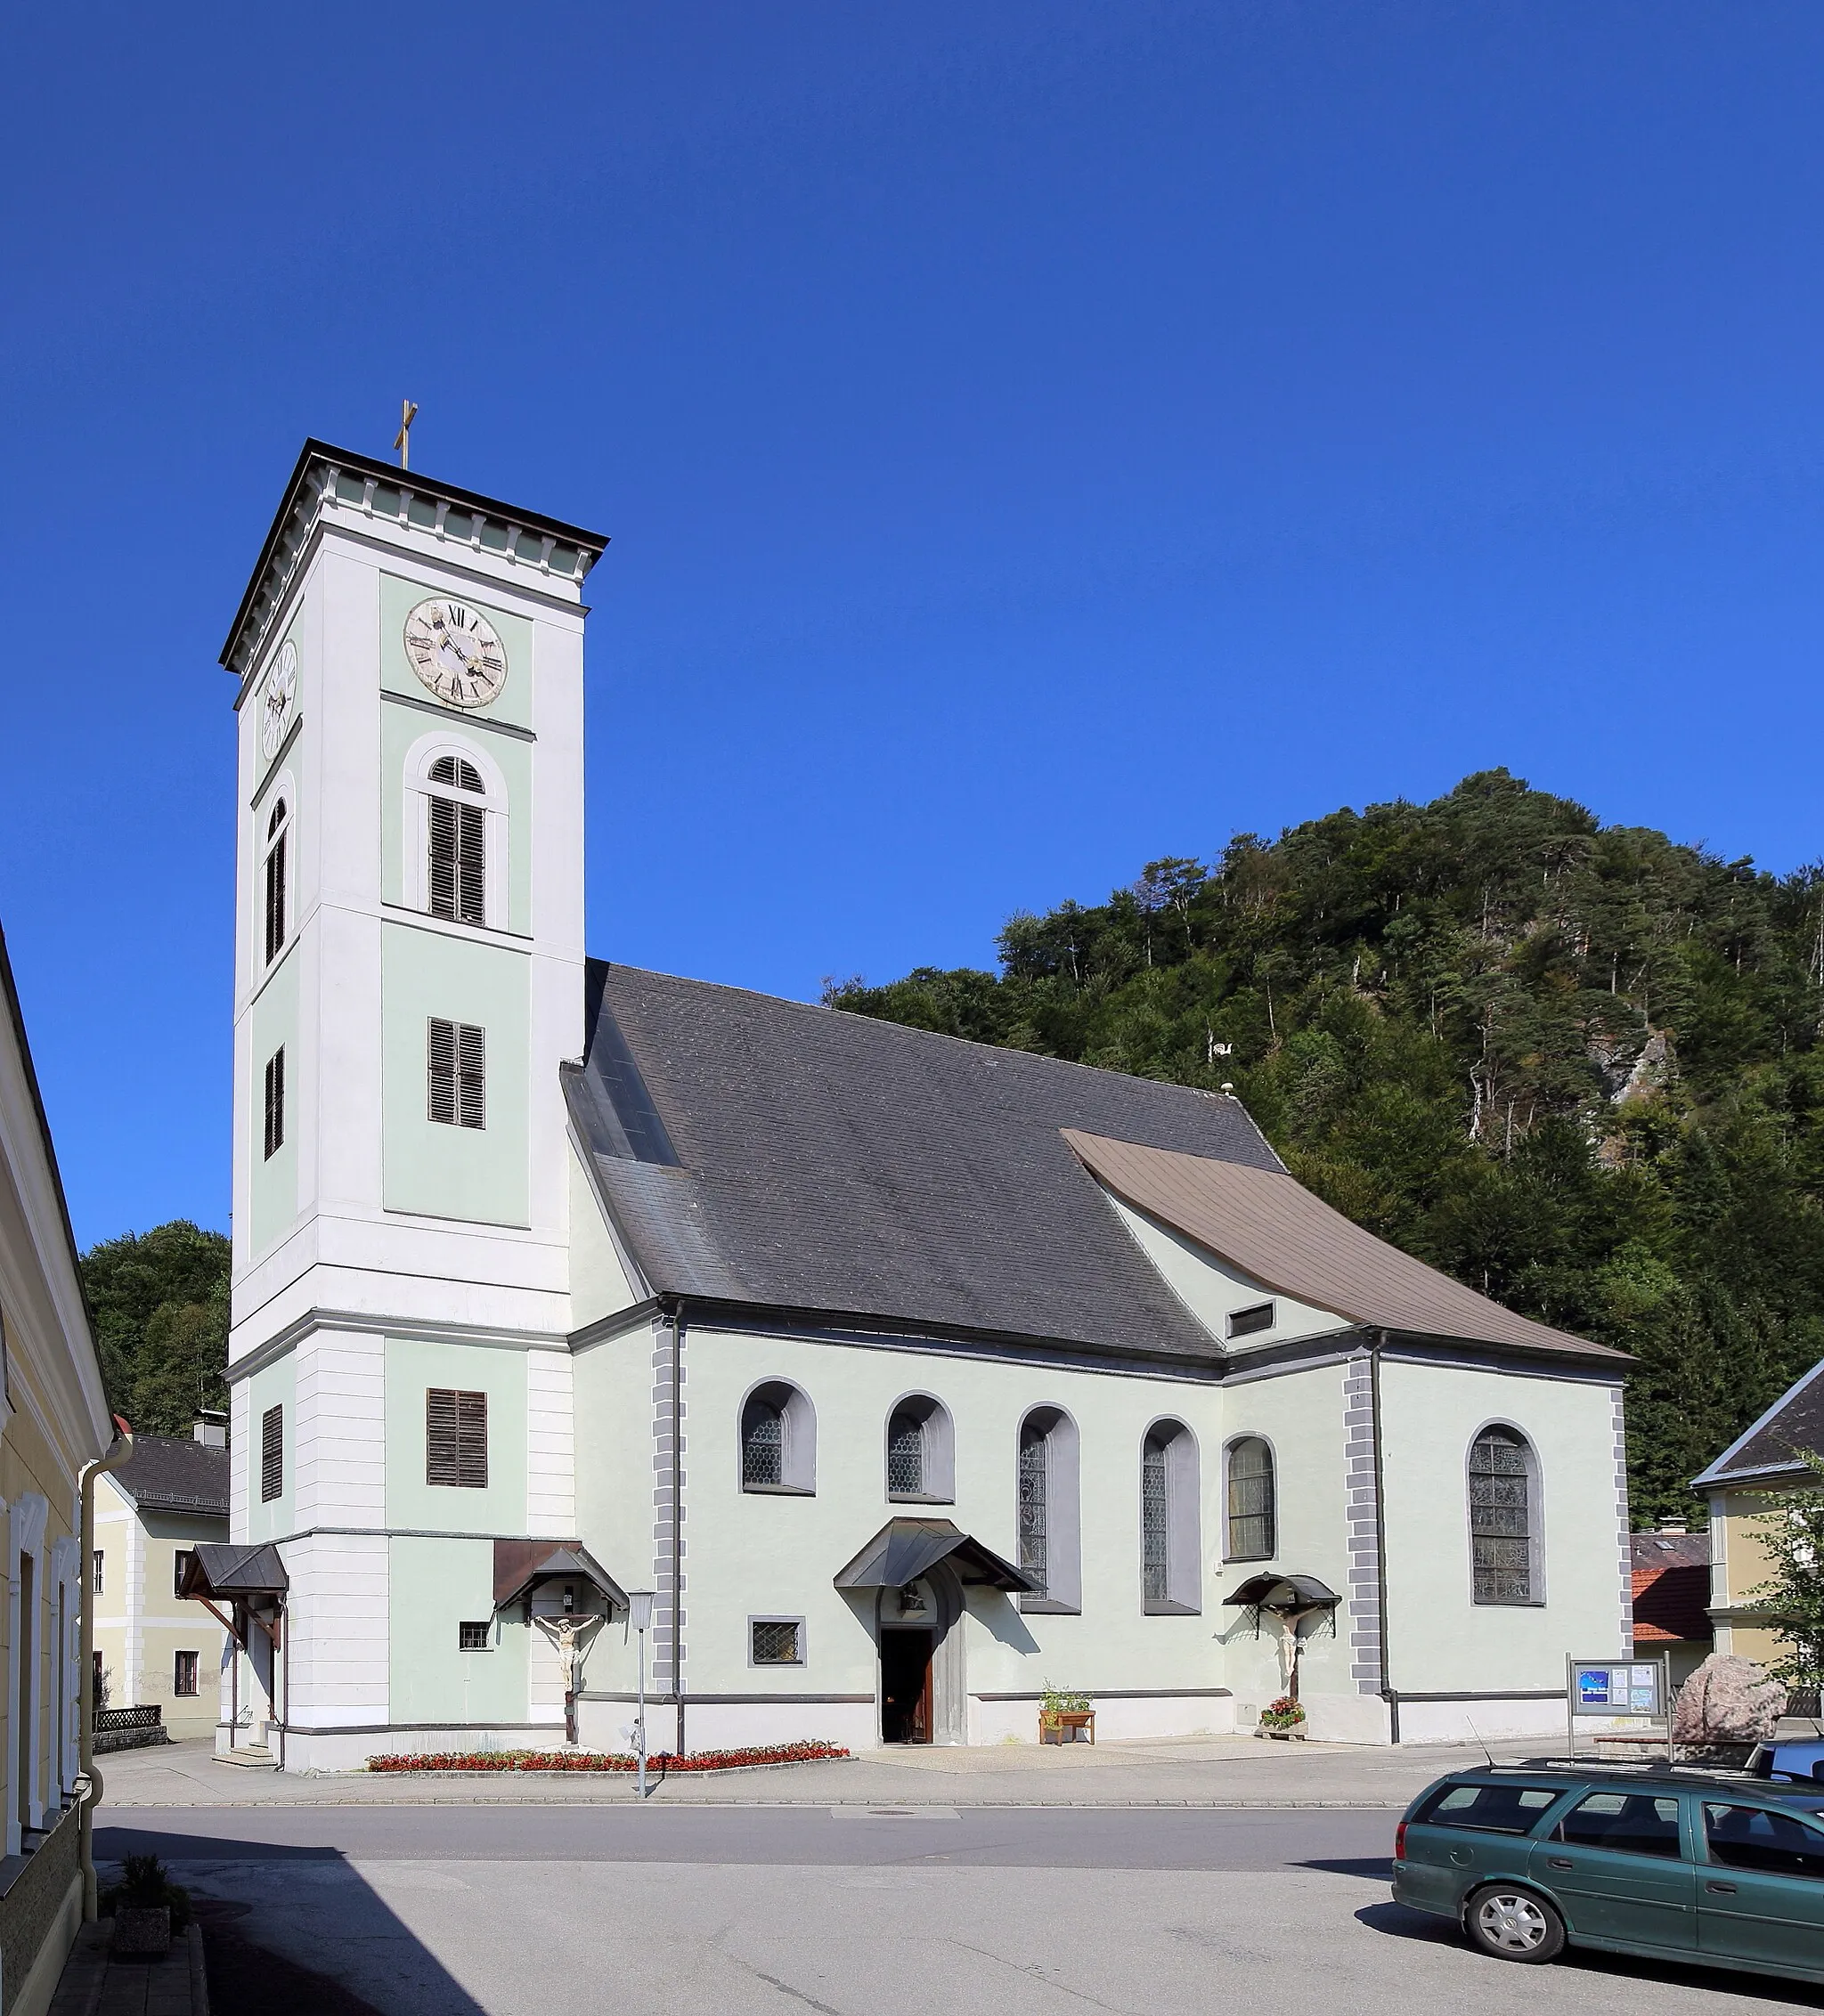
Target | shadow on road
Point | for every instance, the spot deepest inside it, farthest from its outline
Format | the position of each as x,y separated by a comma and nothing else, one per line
1397,1922
296,1930
1377,1868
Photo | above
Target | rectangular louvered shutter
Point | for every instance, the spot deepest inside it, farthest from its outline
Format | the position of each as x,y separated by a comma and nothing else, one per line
456,1438
276,899
442,1104
457,1074
272,1454
471,862
472,1076
443,861
275,1103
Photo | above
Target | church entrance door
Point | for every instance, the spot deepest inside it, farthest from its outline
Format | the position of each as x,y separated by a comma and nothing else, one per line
905,1686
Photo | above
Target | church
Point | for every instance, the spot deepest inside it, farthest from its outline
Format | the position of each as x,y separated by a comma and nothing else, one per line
899,1378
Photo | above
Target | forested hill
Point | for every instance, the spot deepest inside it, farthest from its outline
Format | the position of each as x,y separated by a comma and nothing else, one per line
1577,1066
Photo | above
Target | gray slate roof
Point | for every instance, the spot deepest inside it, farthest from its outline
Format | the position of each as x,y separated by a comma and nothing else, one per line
173,1473
769,1153
1774,1444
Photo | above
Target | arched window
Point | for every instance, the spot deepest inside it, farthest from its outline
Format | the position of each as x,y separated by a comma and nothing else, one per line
1047,1493
456,833
1171,1546
277,853
1503,1517
778,1440
921,1450
1252,1513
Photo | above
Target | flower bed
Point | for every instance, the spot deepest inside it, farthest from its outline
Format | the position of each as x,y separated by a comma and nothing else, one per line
661,1762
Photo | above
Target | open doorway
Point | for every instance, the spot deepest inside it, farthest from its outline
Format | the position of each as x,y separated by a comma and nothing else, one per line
905,1685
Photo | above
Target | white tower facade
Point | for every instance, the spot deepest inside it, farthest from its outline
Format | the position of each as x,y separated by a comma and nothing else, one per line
409,976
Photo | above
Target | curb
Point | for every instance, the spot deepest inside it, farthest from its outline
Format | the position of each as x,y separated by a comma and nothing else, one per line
801,1805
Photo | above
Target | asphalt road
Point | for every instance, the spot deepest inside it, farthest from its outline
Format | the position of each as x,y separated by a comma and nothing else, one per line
545,1911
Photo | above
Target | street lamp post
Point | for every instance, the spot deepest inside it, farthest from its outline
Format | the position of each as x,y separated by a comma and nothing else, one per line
639,1615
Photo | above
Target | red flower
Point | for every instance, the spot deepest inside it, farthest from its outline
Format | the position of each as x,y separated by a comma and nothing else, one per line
809,1751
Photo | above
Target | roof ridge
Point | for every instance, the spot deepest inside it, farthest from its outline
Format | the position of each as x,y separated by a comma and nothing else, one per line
935,1035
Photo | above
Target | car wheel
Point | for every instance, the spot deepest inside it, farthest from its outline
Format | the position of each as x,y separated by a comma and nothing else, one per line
1514,1924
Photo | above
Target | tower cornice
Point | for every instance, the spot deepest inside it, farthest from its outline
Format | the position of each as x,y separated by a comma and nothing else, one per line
333,482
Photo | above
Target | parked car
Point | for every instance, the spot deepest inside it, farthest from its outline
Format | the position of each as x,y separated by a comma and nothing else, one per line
1722,1869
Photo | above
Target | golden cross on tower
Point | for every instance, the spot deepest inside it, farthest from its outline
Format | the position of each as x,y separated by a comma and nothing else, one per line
408,413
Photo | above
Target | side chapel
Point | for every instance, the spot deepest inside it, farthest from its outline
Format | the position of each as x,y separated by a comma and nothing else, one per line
909,1376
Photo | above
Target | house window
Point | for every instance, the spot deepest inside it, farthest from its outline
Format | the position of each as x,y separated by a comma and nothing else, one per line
1250,1321
778,1439
272,1454
456,1438
1170,1546
1251,1508
458,1074
1501,1518
473,1637
277,839
275,1102
99,1557
776,1641
458,862
921,1452
1034,1493
184,1673
180,1562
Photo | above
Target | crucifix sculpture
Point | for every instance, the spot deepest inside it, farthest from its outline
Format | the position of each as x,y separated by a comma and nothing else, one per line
565,1632
402,440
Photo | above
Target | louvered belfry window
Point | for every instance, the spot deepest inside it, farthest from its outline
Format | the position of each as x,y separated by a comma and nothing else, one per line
458,1074
1035,1481
276,836
275,1103
1501,1521
272,1454
456,1438
457,845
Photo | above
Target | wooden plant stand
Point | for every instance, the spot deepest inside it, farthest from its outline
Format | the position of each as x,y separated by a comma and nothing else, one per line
1076,1725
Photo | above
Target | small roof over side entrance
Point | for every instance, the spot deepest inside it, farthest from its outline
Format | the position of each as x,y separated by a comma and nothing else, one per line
219,1569
522,1566
904,1549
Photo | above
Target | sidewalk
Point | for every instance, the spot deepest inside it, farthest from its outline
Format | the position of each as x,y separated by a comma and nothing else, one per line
94,1984
1215,1771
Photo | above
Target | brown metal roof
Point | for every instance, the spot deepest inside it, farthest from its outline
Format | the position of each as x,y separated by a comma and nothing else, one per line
1269,1225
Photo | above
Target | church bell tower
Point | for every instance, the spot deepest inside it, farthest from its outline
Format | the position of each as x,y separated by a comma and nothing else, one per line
409,976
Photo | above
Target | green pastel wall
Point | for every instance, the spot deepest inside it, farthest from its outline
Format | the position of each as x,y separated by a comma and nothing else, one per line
437,1585
273,1385
471,1173
413,1365
399,599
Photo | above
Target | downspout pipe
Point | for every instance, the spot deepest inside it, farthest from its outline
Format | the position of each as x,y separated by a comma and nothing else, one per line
1387,1692
678,1514
118,1453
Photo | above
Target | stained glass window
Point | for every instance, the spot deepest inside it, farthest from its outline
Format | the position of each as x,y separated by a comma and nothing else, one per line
1500,1525
1034,1479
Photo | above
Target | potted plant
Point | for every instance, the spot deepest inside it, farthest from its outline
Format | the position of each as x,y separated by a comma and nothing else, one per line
1065,1717
147,1908
1283,1720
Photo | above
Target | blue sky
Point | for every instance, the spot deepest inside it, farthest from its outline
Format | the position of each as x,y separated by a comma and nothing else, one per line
1036,438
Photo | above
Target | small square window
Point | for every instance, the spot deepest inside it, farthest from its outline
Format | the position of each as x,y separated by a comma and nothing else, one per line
184,1674
473,1637
1252,1321
776,1641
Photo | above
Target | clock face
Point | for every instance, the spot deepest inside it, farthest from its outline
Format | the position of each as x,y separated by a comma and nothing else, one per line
275,709
457,652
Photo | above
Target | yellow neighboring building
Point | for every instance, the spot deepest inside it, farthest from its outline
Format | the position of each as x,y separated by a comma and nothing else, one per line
153,1647
53,1422
1741,1484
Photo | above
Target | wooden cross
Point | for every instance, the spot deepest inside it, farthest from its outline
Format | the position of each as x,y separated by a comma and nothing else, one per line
408,413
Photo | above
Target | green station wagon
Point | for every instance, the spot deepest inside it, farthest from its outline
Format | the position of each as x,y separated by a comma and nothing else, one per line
1716,1868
